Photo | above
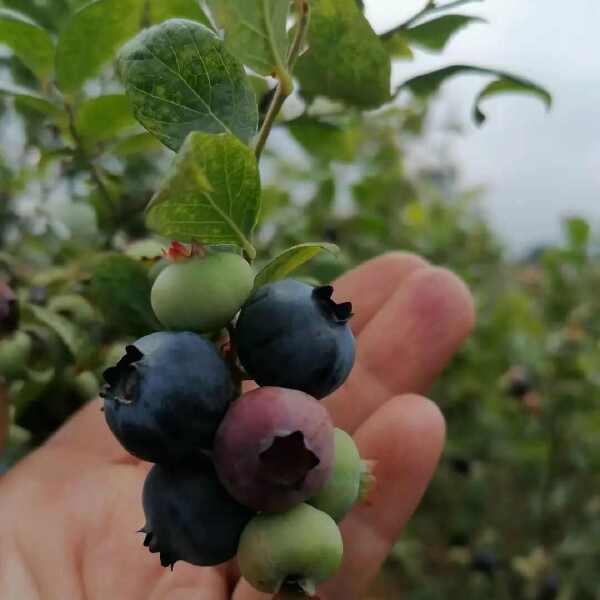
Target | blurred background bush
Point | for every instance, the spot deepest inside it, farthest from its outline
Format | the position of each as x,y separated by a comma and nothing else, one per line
514,510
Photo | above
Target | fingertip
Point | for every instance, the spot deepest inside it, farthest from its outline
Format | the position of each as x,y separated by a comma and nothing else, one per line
438,294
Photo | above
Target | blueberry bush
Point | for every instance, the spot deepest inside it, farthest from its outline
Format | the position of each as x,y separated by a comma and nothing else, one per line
136,220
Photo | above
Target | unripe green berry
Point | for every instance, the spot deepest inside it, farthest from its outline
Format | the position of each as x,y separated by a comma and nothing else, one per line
301,547
342,489
202,294
14,355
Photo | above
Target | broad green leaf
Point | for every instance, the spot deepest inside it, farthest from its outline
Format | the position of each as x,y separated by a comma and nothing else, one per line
71,335
162,10
289,260
104,117
430,83
509,85
120,289
435,34
325,141
30,42
91,38
255,31
180,78
211,194
30,98
346,59
136,144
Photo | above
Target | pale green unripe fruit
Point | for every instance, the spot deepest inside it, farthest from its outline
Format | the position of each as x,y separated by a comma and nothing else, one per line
342,489
202,294
14,355
302,546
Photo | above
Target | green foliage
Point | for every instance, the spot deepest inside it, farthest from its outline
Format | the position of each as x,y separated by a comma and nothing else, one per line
430,83
180,78
109,23
289,260
435,34
30,42
346,60
120,288
162,10
211,194
256,32
104,117
30,98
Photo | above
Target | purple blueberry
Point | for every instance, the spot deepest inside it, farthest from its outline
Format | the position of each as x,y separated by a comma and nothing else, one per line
9,309
293,335
190,516
166,397
274,449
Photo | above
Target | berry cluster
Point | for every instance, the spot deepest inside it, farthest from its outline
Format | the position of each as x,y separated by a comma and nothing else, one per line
264,475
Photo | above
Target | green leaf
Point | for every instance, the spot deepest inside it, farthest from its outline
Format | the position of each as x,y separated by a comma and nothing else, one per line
30,42
180,78
255,31
430,83
71,335
509,84
30,98
435,34
137,144
162,10
323,140
91,38
211,194
104,117
398,47
120,288
289,260
346,59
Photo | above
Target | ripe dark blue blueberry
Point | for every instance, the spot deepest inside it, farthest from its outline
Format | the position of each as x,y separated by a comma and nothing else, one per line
274,449
190,516
293,335
166,397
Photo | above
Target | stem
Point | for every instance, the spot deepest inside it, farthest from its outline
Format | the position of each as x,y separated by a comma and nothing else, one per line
95,174
285,86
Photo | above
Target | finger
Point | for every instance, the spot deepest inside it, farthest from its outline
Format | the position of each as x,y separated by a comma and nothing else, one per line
369,285
405,437
405,345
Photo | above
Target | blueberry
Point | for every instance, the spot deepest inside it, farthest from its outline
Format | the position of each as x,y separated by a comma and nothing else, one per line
190,516
485,561
549,588
292,335
9,310
296,549
202,293
350,480
274,449
166,397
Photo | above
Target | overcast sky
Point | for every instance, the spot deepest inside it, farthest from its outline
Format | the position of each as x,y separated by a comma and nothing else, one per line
537,166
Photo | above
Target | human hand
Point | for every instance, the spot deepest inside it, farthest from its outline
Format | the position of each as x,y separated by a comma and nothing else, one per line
69,511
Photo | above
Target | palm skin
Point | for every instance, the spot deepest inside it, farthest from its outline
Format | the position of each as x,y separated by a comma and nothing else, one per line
68,512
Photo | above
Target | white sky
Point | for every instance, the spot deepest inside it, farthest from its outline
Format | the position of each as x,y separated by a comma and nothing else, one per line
536,166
